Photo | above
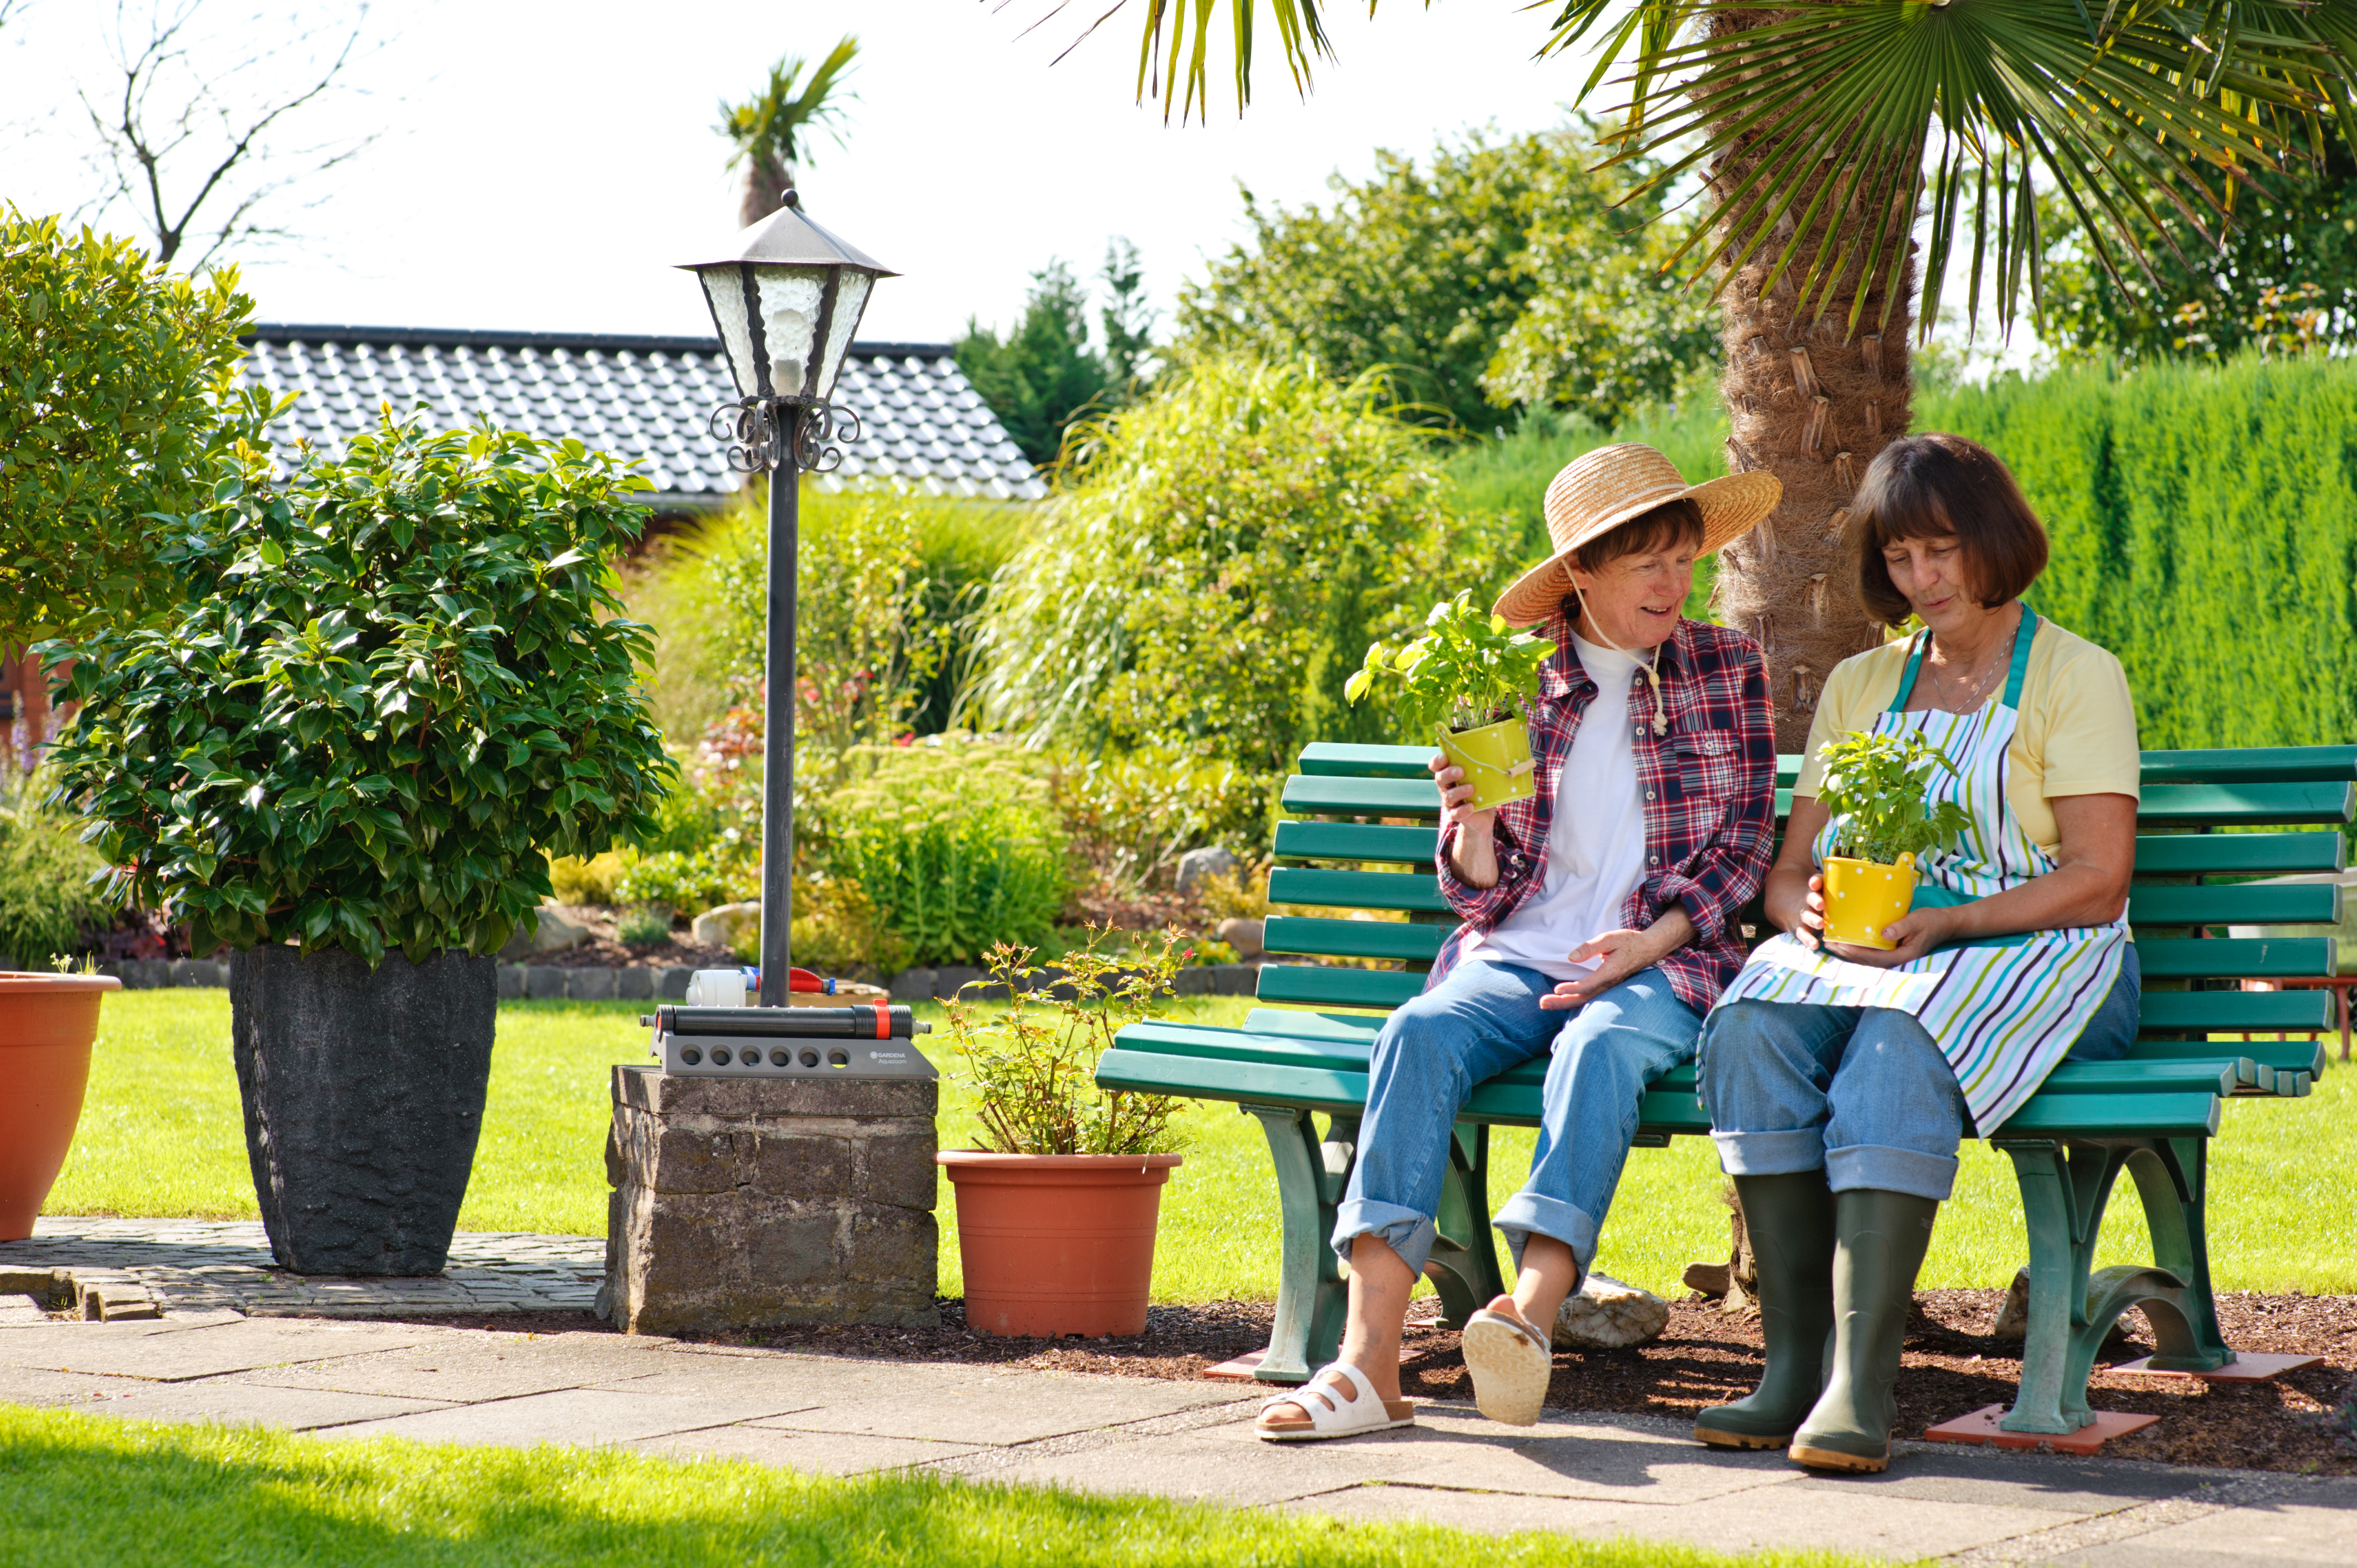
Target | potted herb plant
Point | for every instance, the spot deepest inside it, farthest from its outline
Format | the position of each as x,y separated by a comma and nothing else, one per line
399,677
1875,785
1464,682
119,394
1057,1205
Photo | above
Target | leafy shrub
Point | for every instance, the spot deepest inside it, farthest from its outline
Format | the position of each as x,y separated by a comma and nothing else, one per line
1225,553
836,929
956,846
399,679
1033,1065
1130,816
728,870
47,891
116,396
887,580
578,880
1875,786
648,925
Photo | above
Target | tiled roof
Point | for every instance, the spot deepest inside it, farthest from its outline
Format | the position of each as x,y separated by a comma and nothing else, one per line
639,397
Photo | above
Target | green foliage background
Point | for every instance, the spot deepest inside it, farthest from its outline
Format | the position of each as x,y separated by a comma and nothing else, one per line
115,398
2204,529
1496,274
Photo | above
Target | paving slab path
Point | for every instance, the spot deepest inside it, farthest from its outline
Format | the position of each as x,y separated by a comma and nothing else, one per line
1594,1475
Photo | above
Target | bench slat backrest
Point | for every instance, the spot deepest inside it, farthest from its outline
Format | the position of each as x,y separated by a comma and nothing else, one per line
1372,853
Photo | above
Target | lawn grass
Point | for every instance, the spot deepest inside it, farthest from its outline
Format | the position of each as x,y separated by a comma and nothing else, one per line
84,1489
161,1135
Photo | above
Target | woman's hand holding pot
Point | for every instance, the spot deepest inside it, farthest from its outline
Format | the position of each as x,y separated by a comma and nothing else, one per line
1475,853
1917,932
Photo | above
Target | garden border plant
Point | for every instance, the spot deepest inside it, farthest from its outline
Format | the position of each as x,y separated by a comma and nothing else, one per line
399,677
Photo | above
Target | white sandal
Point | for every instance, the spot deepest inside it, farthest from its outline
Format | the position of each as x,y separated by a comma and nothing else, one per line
1511,1362
1332,1411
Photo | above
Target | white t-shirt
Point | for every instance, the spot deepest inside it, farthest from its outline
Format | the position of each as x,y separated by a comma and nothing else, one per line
1596,843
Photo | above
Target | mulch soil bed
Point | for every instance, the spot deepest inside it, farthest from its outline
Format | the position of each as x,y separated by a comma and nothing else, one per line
1954,1366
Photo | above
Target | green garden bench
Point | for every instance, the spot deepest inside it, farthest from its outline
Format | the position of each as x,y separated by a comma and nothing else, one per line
1362,841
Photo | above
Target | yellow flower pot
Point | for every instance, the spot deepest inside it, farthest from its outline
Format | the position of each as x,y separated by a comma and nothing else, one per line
1862,897
1496,759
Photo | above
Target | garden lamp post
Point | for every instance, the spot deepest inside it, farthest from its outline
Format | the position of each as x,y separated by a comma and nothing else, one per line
785,301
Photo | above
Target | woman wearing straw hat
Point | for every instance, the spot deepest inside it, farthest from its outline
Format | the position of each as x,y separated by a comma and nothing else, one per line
1601,932
1840,1079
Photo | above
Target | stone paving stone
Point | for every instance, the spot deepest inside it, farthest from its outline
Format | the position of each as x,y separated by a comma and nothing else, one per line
473,1365
2316,1524
37,1386
243,1401
171,1354
834,1454
982,1404
1905,1528
1204,1466
1596,1458
22,1309
583,1416
2055,1482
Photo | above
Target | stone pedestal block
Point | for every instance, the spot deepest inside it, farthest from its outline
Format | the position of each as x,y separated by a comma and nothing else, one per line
752,1203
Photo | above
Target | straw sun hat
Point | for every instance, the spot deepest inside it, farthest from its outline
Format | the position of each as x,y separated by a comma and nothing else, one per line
1599,490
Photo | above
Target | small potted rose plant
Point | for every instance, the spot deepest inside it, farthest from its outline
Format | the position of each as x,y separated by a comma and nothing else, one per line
1464,682
1058,1203
1876,787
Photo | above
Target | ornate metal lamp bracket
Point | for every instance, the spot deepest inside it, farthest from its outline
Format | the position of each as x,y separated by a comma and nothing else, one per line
756,431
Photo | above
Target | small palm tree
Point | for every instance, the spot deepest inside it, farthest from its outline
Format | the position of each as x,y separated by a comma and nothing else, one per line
767,129
1821,131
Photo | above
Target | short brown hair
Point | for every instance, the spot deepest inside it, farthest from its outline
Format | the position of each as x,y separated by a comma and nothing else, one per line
1928,486
1671,522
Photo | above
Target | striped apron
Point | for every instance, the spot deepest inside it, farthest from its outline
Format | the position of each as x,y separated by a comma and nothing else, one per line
2005,1010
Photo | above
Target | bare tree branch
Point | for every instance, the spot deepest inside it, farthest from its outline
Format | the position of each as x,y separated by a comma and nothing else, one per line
194,146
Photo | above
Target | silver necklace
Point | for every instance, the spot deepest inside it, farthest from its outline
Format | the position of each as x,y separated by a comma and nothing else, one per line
1978,687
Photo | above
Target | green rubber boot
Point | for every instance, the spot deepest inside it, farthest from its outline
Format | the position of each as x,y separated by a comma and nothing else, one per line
1789,1220
1880,1238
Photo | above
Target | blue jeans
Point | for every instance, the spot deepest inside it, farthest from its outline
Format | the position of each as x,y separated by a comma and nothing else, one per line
1862,1093
1481,1019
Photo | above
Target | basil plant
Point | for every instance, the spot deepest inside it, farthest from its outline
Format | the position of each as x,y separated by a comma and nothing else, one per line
1875,785
1469,668
396,679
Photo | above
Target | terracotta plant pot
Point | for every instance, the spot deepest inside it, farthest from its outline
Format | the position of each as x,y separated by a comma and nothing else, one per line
1861,898
47,1025
1057,1243
1496,759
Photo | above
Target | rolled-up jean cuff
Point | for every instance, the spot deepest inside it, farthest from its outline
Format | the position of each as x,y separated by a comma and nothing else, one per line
1885,1169
1787,1153
1403,1231
1529,1213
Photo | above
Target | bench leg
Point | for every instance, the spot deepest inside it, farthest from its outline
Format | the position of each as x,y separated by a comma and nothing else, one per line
1311,1298
2064,1190
2062,1195
2172,1178
1464,1263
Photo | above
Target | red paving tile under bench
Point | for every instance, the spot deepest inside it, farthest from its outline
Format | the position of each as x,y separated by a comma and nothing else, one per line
2247,1366
1981,1426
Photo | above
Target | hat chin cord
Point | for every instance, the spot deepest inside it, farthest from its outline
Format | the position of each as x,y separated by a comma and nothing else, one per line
1652,657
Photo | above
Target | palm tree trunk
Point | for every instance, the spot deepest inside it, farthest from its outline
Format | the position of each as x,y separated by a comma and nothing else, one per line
1812,403
767,180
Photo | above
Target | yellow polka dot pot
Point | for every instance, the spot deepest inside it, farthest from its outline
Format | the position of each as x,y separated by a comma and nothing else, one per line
1862,897
1496,759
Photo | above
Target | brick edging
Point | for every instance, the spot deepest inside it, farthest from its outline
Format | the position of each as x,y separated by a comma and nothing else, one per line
601,983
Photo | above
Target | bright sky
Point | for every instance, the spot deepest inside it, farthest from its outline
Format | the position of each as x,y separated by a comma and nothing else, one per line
543,167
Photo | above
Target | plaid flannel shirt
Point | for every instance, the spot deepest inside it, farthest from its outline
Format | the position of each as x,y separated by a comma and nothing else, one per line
1710,800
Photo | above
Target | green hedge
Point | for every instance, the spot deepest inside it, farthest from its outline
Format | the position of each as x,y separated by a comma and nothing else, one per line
2204,527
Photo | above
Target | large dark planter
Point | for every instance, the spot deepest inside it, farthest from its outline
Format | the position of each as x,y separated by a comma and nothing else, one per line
363,1095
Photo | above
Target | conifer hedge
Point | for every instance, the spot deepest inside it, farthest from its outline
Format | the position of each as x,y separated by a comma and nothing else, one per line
2204,529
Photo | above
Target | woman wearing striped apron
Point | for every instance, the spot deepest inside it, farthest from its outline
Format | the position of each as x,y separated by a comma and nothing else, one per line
1840,1079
